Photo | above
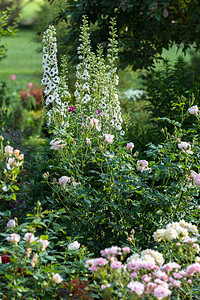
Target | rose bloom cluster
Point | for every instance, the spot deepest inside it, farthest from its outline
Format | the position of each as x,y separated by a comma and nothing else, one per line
146,274
181,230
30,240
194,178
14,158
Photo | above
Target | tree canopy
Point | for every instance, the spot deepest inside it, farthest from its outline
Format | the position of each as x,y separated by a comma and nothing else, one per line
144,27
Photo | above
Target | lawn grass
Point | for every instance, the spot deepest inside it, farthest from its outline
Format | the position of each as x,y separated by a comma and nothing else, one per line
22,59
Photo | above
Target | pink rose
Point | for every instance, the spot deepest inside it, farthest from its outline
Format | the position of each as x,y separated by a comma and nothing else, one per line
56,144
29,237
116,264
186,146
126,249
11,223
109,138
129,146
13,238
197,180
137,287
64,180
161,292
142,165
45,244
192,269
12,77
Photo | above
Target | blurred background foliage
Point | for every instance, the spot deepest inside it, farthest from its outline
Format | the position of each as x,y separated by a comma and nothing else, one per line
155,90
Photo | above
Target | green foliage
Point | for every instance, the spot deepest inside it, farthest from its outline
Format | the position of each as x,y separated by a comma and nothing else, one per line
35,252
5,30
144,27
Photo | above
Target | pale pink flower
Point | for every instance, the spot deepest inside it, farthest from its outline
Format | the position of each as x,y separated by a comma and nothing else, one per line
16,152
146,278
30,84
100,261
64,180
57,278
112,251
142,165
29,237
134,274
57,144
11,223
130,146
13,238
193,110
161,292
93,268
170,266
192,269
8,150
88,142
137,287
28,252
21,156
12,77
45,244
126,249
197,180
189,281
11,163
109,138
103,286
94,121
186,146
150,287
175,283
192,175
34,260
177,275
189,240
116,264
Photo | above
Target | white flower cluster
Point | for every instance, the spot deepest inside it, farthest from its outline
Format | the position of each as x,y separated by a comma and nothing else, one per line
55,88
148,255
177,230
96,85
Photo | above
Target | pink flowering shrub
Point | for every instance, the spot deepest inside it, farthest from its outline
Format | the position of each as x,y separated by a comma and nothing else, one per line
147,274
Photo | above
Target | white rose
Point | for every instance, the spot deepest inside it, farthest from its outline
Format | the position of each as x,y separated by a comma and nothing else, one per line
57,278
74,246
171,234
159,235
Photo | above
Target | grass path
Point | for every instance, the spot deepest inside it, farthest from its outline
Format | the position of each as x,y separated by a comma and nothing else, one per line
22,59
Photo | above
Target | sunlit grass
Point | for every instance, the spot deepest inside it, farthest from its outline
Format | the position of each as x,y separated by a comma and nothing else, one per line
22,59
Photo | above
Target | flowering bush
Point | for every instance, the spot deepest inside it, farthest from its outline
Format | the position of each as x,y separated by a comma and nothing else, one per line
103,186
146,274
31,268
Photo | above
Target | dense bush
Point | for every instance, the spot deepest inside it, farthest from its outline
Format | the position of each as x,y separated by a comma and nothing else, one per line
97,192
